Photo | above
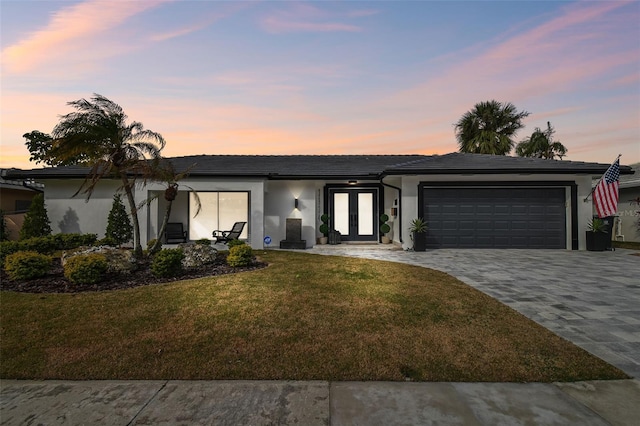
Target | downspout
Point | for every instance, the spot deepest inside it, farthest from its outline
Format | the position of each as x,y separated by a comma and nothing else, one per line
399,205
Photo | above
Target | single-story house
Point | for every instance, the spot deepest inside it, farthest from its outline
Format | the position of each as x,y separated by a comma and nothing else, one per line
15,200
467,200
627,222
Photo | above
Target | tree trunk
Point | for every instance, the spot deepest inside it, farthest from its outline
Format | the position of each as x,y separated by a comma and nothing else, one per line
137,247
165,220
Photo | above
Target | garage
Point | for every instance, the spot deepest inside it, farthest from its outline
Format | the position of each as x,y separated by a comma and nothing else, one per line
494,217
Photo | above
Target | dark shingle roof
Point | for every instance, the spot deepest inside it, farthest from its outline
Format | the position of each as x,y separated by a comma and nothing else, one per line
346,166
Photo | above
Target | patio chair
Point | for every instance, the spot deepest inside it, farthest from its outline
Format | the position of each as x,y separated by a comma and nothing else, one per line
174,231
226,236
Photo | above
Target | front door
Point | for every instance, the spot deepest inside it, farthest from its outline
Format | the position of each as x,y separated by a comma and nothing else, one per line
353,213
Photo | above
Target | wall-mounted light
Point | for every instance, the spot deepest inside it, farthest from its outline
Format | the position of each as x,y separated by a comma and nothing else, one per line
295,203
353,182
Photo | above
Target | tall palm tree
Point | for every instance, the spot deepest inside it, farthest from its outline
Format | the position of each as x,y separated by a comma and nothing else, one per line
541,144
489,128
97,135
163,170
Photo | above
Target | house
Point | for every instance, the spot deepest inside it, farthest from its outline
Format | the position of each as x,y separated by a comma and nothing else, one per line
627,226
468,200
15,199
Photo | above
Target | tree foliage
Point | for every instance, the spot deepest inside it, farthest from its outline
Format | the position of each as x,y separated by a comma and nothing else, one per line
4,232
98,136
36,221
541,145
489,128
119,227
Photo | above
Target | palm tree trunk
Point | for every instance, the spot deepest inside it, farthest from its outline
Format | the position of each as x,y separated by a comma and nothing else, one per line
137,247
167,214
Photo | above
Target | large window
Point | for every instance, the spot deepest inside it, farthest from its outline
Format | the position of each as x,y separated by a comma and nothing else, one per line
220,210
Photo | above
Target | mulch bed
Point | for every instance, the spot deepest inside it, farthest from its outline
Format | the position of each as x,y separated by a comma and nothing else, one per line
55,282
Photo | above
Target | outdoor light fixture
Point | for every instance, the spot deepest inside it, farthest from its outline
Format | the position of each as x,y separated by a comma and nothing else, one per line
353,182
295,203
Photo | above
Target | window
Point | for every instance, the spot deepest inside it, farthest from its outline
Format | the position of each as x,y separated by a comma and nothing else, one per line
220,210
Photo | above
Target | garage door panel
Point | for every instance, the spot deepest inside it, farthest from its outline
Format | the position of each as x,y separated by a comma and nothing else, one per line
495,217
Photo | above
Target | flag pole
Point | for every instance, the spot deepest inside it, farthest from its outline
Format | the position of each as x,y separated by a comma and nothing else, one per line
599,180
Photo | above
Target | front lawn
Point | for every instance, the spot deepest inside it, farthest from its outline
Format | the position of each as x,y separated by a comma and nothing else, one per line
305,317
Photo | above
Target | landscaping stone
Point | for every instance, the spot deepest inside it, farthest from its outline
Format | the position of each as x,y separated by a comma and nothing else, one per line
196,255
118,260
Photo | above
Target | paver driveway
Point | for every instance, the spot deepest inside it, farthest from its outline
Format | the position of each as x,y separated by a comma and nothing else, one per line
590,298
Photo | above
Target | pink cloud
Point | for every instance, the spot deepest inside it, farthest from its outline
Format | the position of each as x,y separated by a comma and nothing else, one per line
301,17
71,27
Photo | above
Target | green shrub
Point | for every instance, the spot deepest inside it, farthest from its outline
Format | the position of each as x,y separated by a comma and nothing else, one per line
71,241
85,268
204,242
240,255
4,232
107,241
47,245
151,242
36,222
233,243
118,223
167,263
26,265
7,248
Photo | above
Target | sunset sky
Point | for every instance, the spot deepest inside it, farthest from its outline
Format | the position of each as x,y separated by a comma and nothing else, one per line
324,77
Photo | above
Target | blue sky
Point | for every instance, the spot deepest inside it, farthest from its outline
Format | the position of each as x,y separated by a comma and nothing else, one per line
293,77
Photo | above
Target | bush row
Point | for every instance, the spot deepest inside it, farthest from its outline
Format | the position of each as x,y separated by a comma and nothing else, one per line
47,245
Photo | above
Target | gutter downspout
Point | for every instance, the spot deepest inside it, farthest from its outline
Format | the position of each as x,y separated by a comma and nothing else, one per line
399,205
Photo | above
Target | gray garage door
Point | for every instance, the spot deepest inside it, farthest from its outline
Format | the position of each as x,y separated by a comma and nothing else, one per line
495,217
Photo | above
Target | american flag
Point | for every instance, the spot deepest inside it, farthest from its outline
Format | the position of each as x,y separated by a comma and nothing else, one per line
605,196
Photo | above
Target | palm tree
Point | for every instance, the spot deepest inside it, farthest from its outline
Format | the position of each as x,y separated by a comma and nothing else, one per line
540,144
489,128
97,135
163,170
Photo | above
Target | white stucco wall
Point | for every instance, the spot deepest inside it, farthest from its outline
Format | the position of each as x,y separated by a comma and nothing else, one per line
76,215
410,198
628,214
279,205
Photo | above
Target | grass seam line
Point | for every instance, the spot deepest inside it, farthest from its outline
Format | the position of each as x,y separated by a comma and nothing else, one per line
147,403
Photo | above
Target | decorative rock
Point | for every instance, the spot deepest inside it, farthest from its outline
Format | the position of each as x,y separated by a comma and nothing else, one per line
196,255
118,260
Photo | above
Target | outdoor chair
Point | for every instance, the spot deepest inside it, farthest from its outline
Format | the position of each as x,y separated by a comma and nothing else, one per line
226,236
175,232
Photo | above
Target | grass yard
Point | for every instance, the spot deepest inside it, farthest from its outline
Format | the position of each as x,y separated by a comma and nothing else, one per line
305,317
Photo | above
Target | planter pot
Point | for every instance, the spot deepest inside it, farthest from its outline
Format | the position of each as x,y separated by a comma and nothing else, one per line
597,241
385,239
323,240
419,241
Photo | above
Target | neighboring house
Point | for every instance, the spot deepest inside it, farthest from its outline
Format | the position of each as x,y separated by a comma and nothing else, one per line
628,217
15,199
468,200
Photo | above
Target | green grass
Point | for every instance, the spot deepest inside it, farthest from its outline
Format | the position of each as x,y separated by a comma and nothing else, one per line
305,317
626,244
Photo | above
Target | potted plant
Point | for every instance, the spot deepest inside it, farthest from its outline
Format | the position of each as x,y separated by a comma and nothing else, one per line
597,235
418,230
384,228
324,229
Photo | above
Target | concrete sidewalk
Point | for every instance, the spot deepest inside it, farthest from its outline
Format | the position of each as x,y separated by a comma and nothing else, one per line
318,403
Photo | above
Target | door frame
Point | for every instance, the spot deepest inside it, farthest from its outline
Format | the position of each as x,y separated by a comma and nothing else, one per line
378,207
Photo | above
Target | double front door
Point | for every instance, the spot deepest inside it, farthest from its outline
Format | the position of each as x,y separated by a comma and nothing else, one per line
353,213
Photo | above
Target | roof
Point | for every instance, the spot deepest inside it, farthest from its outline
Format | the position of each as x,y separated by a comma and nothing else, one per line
347,166
631,181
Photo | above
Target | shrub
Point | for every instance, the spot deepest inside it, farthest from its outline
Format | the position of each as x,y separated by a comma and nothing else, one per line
107,241
204,241
7,248
240,255
4,232
118,223
119,261
71,241
167,263
85,268
36,222
26,265
151,242
233,243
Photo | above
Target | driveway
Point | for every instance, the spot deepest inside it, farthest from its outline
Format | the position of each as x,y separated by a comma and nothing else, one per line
590,298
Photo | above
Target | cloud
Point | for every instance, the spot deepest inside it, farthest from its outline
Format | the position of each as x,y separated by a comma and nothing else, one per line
68,29
301,17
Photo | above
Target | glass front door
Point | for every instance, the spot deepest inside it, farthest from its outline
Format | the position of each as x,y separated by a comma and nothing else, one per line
353,213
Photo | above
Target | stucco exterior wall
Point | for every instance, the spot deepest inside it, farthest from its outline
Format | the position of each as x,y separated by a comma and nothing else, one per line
628,214
279,205
76,215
